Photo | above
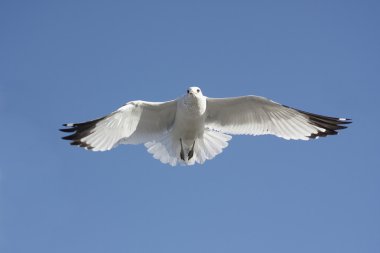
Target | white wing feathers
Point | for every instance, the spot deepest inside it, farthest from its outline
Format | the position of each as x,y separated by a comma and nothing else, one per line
152,123
134,123
255,115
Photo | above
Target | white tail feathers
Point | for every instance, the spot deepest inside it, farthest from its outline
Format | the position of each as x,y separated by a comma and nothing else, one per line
167,149
210,145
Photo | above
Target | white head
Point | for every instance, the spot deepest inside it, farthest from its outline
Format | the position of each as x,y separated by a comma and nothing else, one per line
194,102
194,92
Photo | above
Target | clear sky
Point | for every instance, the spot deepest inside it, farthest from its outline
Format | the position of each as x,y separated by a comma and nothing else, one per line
69,61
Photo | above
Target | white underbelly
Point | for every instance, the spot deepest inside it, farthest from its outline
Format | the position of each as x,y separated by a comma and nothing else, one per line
188,129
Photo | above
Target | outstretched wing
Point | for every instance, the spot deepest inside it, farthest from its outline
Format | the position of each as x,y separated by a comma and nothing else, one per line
255,115
134,123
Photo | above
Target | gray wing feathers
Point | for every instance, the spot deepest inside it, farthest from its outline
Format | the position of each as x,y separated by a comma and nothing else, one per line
136,122
255,115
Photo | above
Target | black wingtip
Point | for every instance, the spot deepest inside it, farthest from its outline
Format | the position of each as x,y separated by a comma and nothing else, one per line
67,130
330,125
345,121
69,137
77,131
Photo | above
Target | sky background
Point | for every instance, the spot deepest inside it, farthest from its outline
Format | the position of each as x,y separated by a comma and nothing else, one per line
70,61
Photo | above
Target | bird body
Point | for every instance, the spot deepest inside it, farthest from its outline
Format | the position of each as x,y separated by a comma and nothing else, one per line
195,128
190,116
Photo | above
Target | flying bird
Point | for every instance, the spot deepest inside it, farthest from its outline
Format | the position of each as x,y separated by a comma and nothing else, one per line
195,128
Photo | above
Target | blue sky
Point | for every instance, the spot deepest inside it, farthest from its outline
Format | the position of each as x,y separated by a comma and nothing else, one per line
65,61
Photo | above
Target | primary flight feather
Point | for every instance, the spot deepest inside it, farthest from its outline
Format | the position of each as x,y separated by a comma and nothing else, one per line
195,128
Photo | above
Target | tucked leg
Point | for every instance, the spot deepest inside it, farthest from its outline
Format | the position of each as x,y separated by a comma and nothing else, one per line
182,153
191,152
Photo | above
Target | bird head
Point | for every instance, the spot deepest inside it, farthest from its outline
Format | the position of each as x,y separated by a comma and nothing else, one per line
194,92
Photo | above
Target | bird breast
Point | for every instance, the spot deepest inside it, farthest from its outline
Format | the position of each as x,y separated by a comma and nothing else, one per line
193,106
190,117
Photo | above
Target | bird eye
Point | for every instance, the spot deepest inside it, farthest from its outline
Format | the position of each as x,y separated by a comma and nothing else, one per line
188,91
198,90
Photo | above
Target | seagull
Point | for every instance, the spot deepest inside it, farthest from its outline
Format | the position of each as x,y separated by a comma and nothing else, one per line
195,128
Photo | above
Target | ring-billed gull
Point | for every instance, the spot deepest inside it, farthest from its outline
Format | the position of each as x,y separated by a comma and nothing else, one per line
195,128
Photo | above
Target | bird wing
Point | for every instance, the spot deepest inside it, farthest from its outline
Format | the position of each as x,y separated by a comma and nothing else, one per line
135,122
255,115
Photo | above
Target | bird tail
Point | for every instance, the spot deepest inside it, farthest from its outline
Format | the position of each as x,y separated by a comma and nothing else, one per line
210,145
207,147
